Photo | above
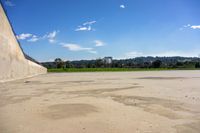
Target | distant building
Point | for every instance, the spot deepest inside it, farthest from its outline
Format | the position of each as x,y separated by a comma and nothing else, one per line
107,60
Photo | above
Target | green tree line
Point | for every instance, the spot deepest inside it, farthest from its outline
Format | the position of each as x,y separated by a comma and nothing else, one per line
139,62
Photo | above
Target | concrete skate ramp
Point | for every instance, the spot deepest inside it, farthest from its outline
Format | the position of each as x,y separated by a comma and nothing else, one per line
13,62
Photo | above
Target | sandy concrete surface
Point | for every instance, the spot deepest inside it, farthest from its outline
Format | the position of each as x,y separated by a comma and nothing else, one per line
105,102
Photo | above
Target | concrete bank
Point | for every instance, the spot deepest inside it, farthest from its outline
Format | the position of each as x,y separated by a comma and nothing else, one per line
13,64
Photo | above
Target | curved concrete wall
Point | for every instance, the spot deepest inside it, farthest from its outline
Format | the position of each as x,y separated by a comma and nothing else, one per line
13,64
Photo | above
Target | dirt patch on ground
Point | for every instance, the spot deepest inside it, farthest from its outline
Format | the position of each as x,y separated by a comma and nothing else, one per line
193,127
62,111
163,107
162,78
100,91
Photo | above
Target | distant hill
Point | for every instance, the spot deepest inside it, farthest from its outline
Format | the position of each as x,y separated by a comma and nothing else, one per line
138,62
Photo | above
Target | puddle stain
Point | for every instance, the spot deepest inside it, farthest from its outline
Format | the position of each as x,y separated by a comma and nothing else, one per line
163,78
62,111
162,107
101,91
193,127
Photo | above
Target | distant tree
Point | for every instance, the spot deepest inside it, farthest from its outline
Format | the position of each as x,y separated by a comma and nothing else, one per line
58,60
156,64
99,63
147,64
138,62
197,65
116,64
179,64
90,65
59,63
68,64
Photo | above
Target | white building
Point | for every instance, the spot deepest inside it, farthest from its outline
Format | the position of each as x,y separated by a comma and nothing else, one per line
107,60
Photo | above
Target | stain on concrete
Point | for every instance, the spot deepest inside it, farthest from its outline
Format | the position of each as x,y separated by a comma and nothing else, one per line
193,127
100,91
62,111
162,107
163,78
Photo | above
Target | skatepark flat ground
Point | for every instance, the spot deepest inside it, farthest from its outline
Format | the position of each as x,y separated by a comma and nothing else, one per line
102,102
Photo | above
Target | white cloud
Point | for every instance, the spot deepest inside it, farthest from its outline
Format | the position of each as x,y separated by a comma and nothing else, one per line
33,39
9,3
51,60
51,36
184,26
99,43
122,6
195,26
84,28
176,53
27,36
89,22
87,26
134,54
93,52
52,40
75,47
190,26
24,36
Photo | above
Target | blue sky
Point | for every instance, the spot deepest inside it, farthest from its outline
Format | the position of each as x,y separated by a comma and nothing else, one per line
89,29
